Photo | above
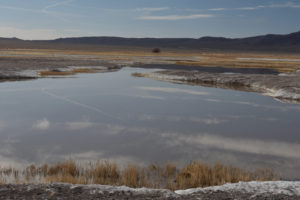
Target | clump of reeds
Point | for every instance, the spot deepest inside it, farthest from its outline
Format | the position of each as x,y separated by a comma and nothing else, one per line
196,174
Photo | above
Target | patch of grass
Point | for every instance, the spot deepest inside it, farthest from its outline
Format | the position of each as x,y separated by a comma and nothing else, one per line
196,174
66,73
137,74
55,73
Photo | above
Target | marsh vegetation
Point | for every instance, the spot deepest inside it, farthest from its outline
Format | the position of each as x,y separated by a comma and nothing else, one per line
169,176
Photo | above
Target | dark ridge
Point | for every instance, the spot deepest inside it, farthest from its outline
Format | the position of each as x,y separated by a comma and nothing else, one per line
269,43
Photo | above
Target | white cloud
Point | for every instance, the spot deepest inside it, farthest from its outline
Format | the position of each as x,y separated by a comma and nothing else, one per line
60,3
2,124
214,100
150,97
172,90
241,8
79,125
18,9
84,156
28,34
207,121
8,145
152,9
217,9
43,124
176,17
213,121
254,146
250,8
175,118
59,15
8,162
285,5
147,117
72,30
256,105
46,10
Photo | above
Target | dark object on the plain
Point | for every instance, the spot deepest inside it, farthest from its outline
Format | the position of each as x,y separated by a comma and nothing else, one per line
156,50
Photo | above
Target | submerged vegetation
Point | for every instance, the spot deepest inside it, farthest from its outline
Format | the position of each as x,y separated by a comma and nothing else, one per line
196,174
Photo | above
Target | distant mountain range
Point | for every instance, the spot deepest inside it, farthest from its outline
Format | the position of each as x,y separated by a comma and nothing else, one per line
269,43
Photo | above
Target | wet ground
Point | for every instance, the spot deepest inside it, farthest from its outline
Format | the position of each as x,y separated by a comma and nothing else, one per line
209,69
22,68
285,87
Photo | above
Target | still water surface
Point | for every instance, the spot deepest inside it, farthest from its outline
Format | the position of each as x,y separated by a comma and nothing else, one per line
119,117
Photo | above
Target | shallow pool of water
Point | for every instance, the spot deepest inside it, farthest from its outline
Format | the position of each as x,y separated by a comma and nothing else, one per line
128,119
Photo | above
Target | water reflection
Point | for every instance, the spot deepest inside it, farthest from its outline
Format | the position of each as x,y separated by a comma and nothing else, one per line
119,117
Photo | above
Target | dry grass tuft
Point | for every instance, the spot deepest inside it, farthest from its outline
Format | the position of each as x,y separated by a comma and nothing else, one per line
137,74
55,73
196,174
131,176
85,70
106,173
66,73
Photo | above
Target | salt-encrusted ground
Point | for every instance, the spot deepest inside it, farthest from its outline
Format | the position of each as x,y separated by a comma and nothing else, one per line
285,87
239,191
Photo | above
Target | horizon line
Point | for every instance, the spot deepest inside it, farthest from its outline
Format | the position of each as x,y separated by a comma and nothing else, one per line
147,37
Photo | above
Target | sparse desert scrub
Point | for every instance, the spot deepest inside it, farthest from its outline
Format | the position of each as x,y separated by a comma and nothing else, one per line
196,174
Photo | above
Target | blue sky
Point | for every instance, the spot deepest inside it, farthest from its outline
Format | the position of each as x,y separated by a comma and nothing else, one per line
48,19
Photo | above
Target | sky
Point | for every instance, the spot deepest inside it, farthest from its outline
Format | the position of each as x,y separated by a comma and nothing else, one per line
49,19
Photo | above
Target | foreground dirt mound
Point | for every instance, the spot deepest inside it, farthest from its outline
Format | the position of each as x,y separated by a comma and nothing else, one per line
68,191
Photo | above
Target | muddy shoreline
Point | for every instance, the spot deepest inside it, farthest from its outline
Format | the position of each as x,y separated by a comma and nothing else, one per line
208,69
27,68
284,87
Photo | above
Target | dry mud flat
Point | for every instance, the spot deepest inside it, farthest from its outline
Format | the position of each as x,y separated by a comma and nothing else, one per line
239,191
285,87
